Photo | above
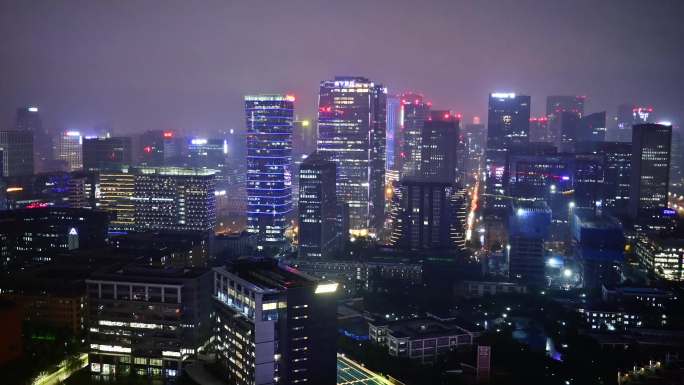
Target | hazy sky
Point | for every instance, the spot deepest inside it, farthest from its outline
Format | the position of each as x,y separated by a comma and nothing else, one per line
156,64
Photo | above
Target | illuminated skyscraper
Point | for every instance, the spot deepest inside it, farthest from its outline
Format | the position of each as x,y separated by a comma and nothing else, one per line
650,175
69,150
269,120
508,125
394,134
351,133
414,113
28,119
555,106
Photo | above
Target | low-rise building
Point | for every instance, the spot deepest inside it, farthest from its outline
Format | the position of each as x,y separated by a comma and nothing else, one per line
477,289
421,338
662,256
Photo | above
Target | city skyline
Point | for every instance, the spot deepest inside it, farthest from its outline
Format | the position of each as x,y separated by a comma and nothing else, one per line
193,79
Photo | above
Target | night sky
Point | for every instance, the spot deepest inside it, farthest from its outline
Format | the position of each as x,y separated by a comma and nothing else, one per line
135,65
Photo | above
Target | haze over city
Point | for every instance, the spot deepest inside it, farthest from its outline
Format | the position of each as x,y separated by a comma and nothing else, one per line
138,65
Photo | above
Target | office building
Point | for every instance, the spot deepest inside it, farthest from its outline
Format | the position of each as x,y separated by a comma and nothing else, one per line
650,175
528,229
351,133
627,116
16,148
617,164
157,148
117,189
274,325
427,216
394,136
555,106
663,256
208,153
599,242
166,248
68,151
28,119
269,168
39,235
112,153
147,321
569,125
591,128
176,199
439,146
422,339
318,230
539,130
475,138
508,124
414,112
588,177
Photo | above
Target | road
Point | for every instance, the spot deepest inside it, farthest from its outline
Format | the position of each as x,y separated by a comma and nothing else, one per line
62,372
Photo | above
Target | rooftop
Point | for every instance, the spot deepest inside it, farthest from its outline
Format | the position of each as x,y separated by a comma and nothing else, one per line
268,274
425,327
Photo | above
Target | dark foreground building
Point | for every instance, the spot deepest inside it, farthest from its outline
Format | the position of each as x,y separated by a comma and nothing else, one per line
274,325
150,321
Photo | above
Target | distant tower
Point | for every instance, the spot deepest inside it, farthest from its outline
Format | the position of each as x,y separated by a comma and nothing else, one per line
317,208
351,133
69,150
269,168
555,106
414,113
439,142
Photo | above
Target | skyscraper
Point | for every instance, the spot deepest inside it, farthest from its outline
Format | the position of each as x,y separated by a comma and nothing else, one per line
394,135
106,153
269,120
16,148
117,189
627,116
318,230
28,119
69,150
539,130
428,216
617,164
557,104
592,128
351,132
650,175
439,141
413,114
508,124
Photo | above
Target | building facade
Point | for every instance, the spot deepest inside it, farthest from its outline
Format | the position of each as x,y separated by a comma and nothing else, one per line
351,132
318,230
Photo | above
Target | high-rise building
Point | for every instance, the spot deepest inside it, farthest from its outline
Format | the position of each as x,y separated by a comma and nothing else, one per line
627,116
69,150
351,132
106,153
428,216
439,141
269,120
413,114
394,137
274,325
318,230
475,138
555,106
208,153
16,148
588,177
173,198
157,148
650,175
28,119
569,122
147,320
591,128
539,130
617,164
598,242
528,229
117,189
508,124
